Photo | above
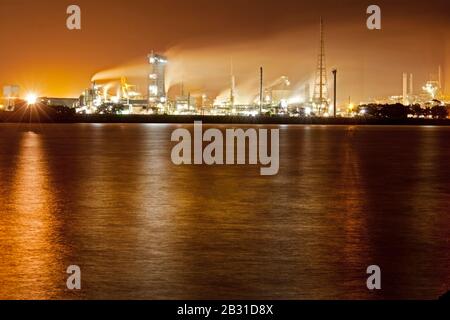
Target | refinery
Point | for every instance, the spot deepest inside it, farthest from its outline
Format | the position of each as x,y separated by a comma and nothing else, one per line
316,98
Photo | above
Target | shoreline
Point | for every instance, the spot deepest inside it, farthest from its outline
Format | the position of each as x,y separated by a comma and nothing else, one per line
6,117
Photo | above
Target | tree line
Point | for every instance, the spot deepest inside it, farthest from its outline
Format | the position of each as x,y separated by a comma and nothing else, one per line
400,111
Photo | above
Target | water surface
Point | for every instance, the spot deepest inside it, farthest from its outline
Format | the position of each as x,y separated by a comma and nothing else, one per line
108,198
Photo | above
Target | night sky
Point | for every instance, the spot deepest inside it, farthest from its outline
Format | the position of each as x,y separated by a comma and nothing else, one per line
202,37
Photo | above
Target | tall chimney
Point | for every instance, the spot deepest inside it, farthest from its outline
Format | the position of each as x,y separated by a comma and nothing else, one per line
335,93
440,77
405,88
261,91
411,84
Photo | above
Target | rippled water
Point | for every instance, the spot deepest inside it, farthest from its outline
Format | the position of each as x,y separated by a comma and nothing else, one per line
108,198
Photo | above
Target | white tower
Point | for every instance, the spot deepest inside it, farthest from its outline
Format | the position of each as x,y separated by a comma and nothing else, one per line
405,89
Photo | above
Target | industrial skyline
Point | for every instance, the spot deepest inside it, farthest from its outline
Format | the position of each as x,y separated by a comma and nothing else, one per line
283,41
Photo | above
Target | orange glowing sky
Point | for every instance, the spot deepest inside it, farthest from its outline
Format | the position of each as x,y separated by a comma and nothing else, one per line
40,54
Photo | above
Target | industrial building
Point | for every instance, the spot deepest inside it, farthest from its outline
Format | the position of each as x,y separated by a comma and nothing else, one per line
432,90
277,95
66,102
157,95
99,95
277,98
311,99
10,95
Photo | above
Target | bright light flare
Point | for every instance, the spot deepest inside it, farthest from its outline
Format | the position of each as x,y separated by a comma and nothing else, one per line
31,98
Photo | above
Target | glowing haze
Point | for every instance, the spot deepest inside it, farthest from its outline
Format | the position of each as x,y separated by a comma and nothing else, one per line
202,39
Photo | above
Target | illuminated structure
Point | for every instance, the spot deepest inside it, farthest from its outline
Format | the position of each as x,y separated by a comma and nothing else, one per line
433,87
405,100
91,99
431,92
411,84
320,99
408,97
278,94
127,91
97,96
157,95
10,94
232,88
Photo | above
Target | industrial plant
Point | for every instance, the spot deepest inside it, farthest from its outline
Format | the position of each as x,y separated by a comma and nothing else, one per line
277,98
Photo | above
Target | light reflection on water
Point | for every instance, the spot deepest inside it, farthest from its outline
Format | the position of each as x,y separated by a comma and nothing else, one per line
107,198
30,242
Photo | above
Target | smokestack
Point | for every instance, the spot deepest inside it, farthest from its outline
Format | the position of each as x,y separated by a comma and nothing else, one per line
189,100
335,92
446,70
233,85
261,98
440,77
405,88
411,84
